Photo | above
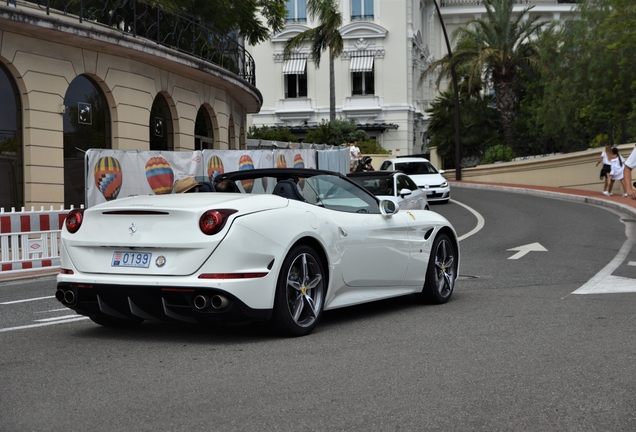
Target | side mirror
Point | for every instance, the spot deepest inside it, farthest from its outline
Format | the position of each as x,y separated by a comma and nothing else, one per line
388,208
404,192
441,171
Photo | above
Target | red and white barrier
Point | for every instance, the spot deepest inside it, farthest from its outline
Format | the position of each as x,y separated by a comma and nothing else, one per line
30,240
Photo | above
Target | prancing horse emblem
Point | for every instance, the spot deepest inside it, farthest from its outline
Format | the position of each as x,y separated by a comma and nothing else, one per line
132,229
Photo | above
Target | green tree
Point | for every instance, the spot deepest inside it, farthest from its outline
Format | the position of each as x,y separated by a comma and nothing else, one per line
241,16
588,82
326,36
479,127
496,48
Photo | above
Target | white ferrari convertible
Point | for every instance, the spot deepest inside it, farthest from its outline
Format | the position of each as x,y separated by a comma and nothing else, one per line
285,246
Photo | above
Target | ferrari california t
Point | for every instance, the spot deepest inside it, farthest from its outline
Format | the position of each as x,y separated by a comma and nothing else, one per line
284,246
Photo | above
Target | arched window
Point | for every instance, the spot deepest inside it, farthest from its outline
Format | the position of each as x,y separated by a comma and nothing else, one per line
86,126
203,130
11,155
161,132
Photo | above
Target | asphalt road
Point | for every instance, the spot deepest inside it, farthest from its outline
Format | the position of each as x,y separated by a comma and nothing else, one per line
514,349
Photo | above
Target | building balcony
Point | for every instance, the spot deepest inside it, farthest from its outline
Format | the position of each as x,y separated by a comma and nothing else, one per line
363,109
296,111
161,25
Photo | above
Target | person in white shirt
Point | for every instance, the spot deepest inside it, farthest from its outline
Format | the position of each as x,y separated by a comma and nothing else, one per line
354,155
630,164
618,164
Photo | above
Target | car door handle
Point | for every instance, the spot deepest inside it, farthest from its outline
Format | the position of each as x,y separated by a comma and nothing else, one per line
343,232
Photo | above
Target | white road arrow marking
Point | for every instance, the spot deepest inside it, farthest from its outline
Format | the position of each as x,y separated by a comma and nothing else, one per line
522,250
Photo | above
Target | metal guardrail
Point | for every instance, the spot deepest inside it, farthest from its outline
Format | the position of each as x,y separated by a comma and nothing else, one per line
165,26
30,240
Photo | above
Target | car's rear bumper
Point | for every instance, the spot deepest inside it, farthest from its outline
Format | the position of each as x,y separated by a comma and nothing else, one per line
157,303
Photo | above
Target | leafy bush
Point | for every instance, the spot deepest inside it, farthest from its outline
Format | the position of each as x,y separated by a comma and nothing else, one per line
498,153
271,134
337,132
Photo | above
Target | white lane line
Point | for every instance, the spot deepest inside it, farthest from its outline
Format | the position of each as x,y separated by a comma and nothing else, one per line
480,221
27,300
63,317
79,318
52,310
603,282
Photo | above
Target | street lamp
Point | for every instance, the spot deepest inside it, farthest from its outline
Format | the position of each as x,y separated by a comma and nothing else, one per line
458,148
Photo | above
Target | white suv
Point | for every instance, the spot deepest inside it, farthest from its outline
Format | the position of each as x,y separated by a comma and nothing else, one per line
424,174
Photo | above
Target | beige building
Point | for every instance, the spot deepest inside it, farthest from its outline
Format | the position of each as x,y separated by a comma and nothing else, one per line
379,78
103,78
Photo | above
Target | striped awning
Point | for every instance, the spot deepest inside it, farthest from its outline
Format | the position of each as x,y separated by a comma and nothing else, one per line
361,64
295,66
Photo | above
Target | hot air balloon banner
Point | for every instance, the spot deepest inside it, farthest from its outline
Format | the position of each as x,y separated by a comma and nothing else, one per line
280,161
160,175
245,163
108,177
215,167
298,161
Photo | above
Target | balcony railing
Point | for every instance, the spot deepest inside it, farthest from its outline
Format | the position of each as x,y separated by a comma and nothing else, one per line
165,26
443,3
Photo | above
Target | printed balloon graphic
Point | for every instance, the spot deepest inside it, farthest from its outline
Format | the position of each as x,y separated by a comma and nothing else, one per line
108,177
281,162
215,167
245,163
159,175
298,161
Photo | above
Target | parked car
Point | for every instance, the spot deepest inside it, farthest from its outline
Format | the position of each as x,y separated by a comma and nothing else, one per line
288,245
392,185
424,174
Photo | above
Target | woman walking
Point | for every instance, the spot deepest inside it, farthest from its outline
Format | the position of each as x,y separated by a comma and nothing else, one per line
618,166
606,155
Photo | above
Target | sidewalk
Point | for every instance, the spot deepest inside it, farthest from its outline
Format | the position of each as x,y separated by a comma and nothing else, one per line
617,202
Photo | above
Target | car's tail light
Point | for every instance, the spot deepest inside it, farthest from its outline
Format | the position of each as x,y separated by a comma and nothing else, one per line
74,220
212,221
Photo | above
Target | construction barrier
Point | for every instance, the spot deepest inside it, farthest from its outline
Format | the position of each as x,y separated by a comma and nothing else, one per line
30,240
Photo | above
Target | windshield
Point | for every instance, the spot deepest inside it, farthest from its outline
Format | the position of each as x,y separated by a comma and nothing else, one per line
416,167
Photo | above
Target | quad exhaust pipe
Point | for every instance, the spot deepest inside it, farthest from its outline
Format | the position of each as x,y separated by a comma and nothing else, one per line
66,297
202,302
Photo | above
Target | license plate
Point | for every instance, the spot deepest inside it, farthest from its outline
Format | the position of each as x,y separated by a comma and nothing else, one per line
131,259
431,192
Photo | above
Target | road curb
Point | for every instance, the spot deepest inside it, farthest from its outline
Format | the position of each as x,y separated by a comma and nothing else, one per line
549,194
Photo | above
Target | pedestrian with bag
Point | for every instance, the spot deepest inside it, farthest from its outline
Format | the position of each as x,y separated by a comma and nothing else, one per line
605,159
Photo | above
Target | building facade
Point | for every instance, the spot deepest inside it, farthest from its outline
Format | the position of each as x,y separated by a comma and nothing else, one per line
379,79
101,76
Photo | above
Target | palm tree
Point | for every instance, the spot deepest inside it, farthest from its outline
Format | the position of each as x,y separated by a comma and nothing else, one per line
325,36
496,48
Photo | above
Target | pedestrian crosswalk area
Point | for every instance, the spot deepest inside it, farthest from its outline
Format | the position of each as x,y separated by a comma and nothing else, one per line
619,276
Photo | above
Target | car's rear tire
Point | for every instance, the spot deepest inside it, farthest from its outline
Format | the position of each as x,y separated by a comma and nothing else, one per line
300,292
441,272
109,321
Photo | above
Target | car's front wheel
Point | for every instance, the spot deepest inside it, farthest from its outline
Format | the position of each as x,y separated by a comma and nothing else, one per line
441,272
300,292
